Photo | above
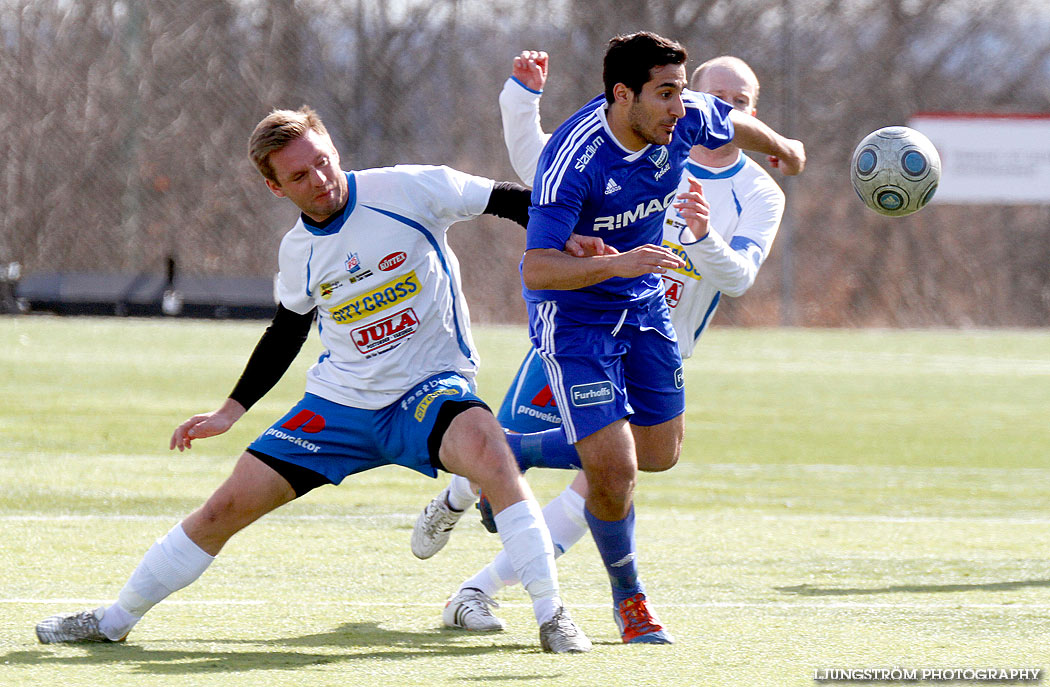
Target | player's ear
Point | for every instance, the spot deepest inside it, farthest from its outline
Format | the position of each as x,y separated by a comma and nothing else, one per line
274,187
621,93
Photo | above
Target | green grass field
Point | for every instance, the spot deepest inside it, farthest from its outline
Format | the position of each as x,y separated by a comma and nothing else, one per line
845,499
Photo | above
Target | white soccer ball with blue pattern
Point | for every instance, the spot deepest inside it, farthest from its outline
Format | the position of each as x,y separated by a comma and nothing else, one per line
895,170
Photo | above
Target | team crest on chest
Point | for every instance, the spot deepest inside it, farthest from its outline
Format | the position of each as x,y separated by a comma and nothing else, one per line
661,160
353,267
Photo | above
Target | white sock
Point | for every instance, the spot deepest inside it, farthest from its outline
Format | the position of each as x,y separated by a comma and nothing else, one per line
527,542
461,494
567,525
172,563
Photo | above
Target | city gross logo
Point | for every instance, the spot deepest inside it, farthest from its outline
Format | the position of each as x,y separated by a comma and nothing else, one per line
385,334
641,211
391,261
689,270
592,394
378,299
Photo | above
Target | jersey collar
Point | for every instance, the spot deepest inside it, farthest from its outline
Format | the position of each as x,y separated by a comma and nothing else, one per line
701,172
628,155
335,221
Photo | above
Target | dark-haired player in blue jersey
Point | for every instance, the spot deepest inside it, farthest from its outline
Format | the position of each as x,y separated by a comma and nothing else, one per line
601,324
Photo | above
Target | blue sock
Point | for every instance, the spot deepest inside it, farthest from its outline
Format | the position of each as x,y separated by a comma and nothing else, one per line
547,449
615,540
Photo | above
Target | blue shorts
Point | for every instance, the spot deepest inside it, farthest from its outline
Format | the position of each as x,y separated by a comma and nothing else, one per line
599,374
336,441
529,405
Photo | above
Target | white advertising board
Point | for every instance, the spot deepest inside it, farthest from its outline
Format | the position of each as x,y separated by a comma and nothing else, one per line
990,158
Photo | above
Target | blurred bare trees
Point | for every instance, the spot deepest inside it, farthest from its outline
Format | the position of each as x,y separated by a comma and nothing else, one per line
123,129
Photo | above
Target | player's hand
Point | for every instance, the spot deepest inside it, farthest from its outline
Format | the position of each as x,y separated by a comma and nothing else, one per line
530,68
694,209
646,259
587,246
206,425
793,160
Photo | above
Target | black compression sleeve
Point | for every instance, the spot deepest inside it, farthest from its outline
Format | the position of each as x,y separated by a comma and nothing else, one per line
274,353
510,201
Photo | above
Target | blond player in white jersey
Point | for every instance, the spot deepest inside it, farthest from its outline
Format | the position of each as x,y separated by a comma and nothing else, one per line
369,258
734,225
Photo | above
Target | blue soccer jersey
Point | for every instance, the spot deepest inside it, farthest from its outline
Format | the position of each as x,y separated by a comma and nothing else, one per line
589,184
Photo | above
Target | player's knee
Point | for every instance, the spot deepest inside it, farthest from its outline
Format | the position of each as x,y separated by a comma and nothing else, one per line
480,446
612,486
658,461
660,453
217,511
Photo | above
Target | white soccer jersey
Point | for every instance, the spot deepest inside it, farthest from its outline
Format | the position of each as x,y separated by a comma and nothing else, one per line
746,208
385,283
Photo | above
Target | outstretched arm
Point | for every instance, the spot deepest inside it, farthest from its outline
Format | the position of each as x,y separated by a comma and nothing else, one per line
753,134
272,357
547,268
520,110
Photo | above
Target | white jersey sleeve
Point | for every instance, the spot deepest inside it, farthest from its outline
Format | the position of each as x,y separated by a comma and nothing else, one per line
520,109
436,196
293,288
731,263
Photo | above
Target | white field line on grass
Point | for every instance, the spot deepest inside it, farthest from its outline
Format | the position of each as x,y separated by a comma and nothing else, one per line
690,517
788,605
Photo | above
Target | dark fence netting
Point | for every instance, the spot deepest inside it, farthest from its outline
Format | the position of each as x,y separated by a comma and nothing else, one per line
124,127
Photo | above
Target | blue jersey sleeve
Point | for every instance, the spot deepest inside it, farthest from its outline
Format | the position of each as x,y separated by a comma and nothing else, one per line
551,222
706,120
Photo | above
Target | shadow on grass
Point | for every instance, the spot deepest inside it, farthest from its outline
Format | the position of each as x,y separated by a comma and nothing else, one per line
807,590
348,643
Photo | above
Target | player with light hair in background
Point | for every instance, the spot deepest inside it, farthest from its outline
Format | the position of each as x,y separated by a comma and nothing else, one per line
723,256
369,258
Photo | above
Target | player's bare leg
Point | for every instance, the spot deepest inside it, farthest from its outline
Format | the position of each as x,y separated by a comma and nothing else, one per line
178,558
250,492
474,447
609,461
658,447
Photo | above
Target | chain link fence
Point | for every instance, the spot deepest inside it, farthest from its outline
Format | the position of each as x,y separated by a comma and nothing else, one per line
124,126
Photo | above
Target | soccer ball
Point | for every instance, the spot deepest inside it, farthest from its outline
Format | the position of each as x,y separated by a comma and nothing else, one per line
895,170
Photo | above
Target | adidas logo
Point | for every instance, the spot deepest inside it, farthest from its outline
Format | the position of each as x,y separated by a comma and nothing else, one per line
611,187
624,561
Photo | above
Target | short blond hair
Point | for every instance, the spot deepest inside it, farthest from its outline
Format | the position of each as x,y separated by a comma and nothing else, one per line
729,62
277,130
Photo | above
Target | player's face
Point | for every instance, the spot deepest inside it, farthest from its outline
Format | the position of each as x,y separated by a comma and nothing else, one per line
308,174
729,85
653,113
